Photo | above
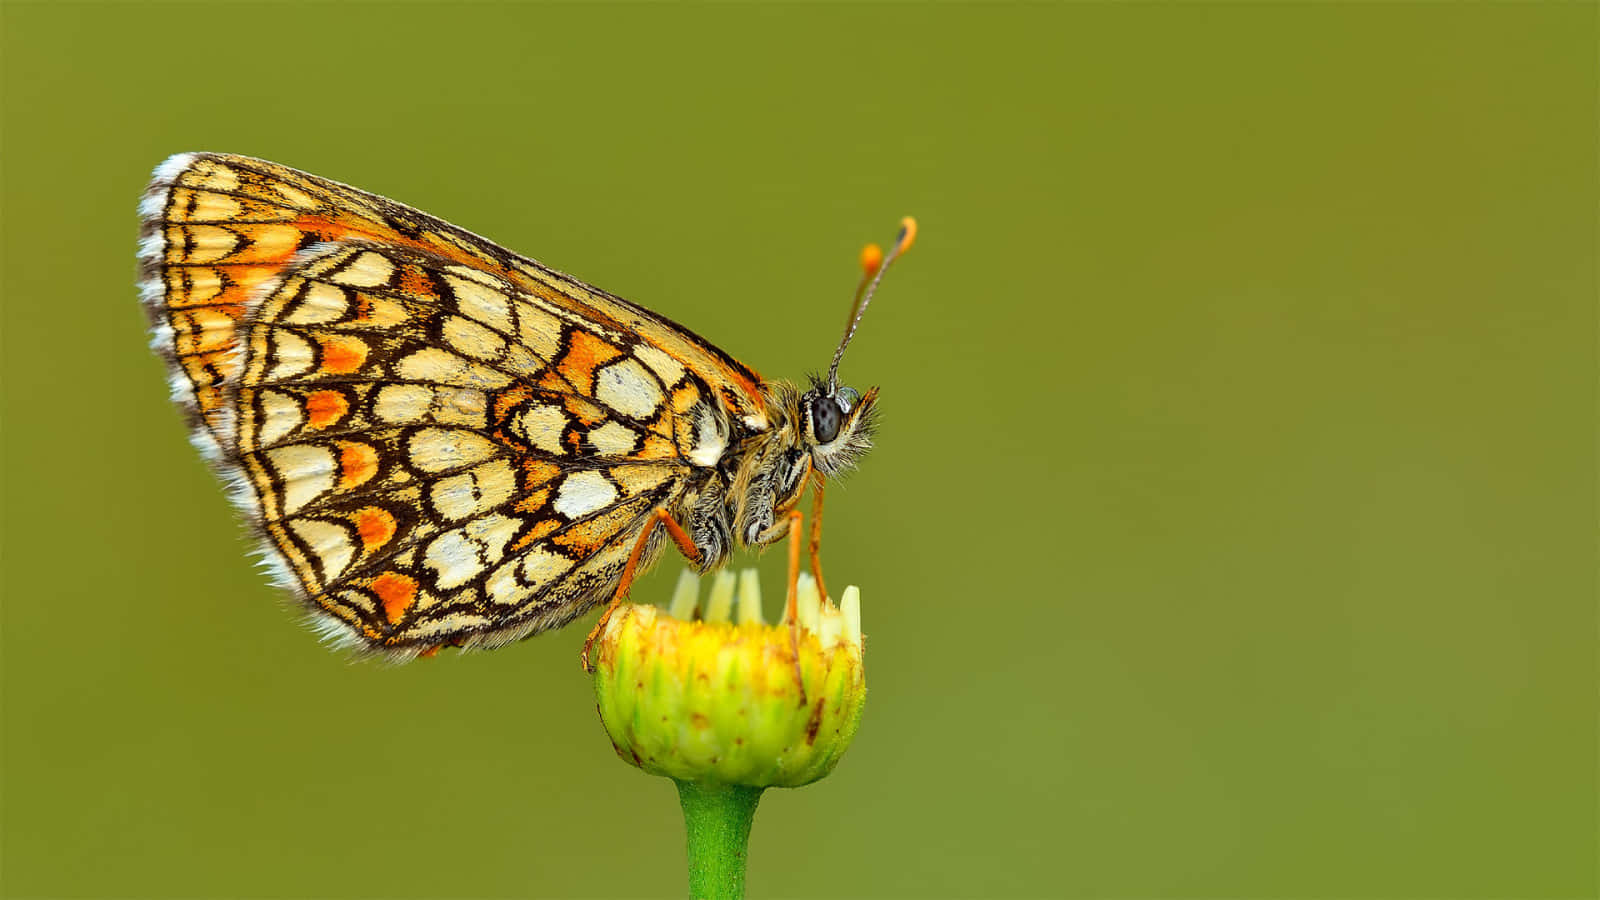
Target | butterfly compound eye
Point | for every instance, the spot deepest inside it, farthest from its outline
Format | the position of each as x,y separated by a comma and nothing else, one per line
825,419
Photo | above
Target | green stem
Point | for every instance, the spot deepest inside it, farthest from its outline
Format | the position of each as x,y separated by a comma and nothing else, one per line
717,819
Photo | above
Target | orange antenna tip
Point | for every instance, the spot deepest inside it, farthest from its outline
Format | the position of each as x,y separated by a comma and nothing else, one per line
873,265
908,235
871,258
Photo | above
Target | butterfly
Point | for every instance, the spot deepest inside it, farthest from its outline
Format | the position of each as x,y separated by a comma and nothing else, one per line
443,443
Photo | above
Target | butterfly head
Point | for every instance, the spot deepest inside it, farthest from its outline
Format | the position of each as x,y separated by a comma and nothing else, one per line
836,425
814,433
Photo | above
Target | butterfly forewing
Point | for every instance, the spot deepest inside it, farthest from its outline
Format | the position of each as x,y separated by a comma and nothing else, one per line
441,441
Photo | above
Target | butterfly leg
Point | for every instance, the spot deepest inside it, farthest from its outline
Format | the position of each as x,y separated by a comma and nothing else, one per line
685,546
791,607
816,533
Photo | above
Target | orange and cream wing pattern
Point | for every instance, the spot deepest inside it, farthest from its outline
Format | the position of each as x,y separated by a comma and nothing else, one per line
441,442
216,228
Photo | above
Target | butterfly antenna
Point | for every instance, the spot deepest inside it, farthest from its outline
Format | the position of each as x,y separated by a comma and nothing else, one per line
873,265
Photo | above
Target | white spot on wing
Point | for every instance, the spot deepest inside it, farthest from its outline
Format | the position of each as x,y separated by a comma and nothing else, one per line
208,243
521,361
709,441
612,439
453,557
472,339
540,331
209,206
305,470
402,402
454,622
461,406
329,542
540,567
661,363
582,493
542,426
367,270
441,449
294,195
476,491
293,355
502,585
321,303
627,387
281,415
472,274
442,367
489,306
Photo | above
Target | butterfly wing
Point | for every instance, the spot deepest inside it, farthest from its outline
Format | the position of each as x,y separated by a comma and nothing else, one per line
440,441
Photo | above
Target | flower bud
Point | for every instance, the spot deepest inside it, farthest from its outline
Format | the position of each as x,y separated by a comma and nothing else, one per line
726,699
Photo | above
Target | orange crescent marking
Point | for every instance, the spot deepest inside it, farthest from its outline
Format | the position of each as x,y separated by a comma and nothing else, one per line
376,526
342,355
357,464
324,408
396,592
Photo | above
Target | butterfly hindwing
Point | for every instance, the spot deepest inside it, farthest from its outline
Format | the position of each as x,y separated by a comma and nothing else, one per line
438,455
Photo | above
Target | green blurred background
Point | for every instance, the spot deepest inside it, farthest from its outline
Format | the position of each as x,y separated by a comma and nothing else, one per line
1231,530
